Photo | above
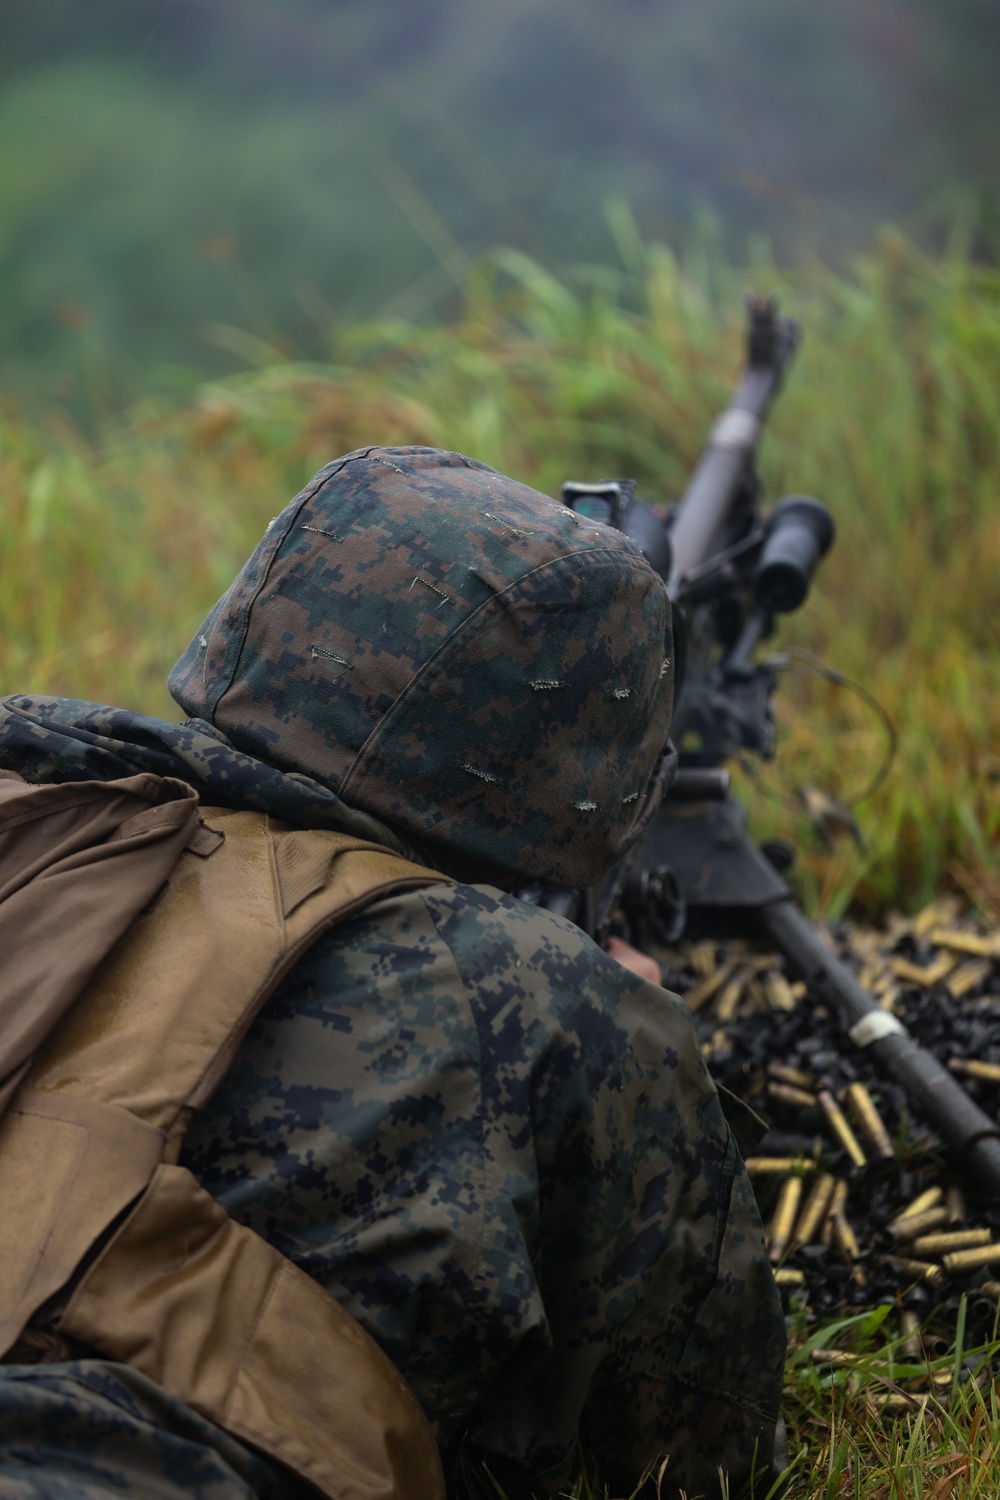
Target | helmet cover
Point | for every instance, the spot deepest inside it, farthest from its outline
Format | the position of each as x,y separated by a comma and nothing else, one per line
454,652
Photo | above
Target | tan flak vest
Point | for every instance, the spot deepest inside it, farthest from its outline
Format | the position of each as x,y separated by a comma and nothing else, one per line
122,1249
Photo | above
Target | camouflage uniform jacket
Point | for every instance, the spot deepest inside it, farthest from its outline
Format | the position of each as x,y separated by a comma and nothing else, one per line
495,1146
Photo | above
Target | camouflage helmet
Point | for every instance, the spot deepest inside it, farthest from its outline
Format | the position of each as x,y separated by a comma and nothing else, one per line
453,652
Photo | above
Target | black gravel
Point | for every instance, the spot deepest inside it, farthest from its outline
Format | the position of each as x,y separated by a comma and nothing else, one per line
806,1038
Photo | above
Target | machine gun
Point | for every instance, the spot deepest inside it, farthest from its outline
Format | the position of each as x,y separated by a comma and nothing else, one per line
730,569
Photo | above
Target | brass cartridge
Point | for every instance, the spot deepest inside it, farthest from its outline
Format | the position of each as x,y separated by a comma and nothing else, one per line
971,1067
913,1225
838,1203
929,1198
896,1404
788,1276
965,978
840,1357
909,1325
845,1239
956,1239
795,1076
814,1210
971,1260
966,942
954,1202
732,994
837,1122
982,1305
785,1213
936,1345
927,976
990,1289
709,985
772,1166
920,1270
869,1119
780,994
784,1093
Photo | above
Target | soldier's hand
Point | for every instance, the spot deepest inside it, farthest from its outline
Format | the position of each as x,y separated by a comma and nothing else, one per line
630,958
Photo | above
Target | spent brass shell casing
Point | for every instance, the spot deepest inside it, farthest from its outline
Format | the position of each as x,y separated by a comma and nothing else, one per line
784,1093
896,1405
968,974
914,1225
814,1210
909,1327
926,975
971,1260
773,1166
965,942
838,1203
929,1198
842,1132
990,1289
788,1276
956,1239
920,1270
845,1239
785,1213
834,1357
970,1067
954,1202
795,1076
869,1119
936,1345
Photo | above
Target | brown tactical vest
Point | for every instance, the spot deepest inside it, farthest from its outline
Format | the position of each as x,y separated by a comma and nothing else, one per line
121,1246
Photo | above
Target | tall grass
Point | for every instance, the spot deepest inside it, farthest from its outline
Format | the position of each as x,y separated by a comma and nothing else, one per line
866,1419
114,546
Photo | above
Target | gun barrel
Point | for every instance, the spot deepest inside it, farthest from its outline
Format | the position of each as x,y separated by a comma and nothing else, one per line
700,524
935,1094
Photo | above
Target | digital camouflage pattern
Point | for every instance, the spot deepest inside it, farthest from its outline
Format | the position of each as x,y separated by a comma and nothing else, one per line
496,1147
502,1153
90,1430
456,653
427,1117
67,739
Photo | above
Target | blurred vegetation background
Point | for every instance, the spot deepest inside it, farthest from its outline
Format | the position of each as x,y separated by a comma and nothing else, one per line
285,166
117,543
239,237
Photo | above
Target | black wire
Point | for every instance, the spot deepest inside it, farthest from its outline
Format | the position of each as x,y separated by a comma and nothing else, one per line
839,679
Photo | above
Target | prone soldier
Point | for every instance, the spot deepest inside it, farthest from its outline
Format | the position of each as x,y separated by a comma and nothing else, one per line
400,1175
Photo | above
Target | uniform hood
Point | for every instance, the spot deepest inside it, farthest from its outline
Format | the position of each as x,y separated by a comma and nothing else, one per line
454,653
